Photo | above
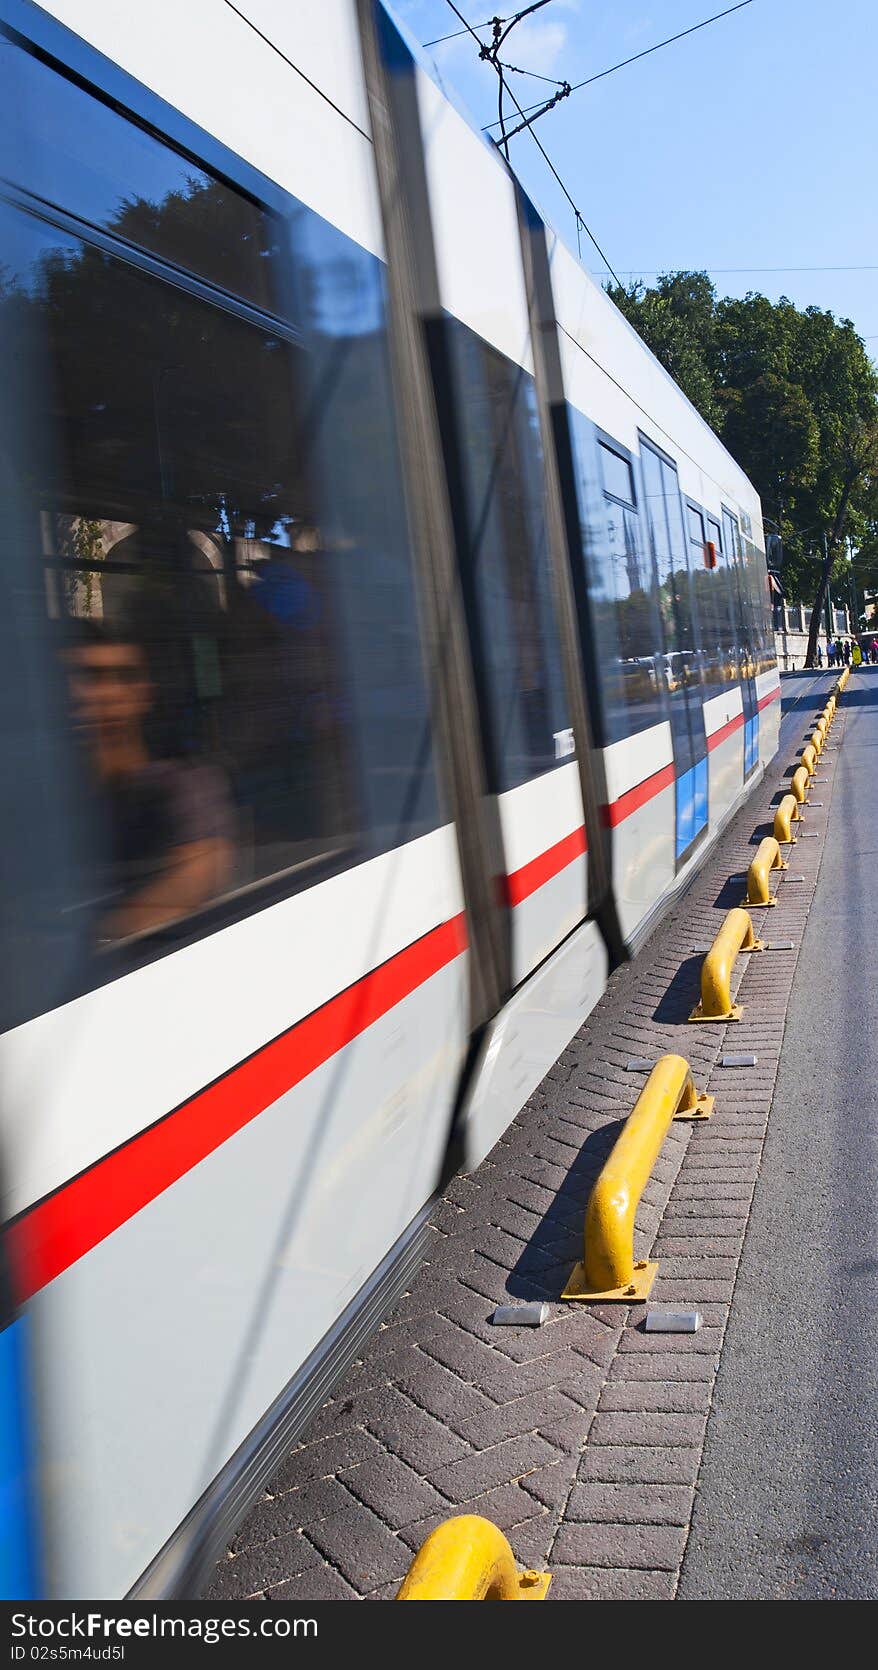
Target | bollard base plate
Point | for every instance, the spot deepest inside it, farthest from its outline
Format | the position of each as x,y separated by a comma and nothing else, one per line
734,1013
533,1585
638,1288
761,904
702,1110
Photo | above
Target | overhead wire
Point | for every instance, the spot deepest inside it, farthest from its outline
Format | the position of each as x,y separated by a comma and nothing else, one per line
456,33
578,216
553,80
624,62
723,272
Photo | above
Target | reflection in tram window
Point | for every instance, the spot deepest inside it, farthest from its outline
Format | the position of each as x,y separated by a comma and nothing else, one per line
711,600
506,560
247,697
168,822
68,148
621,586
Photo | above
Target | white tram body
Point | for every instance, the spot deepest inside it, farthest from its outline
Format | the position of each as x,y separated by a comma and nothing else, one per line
455,652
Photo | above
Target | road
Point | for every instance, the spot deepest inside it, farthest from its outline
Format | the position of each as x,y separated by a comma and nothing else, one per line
787,1500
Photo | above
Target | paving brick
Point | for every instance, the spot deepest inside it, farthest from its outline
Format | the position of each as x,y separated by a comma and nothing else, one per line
255,1569
392,1489
361,1547
291,1510
663,1365
565,1367
473,1474
691,1292
630,1504
691,1189
319,1461
594,1332
507,1506
320,1583
688,1266
705,1212
647,1429
655,1397
549,1485
531,1541
441,1393
639,1464
411,1433
704,1246
707,1342
523,1415
626,1547
599,1583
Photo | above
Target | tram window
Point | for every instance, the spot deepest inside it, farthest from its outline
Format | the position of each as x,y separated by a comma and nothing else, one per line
741,601
67,148
507,561
696,525
708,583
673,562
246,694
724,581
616,471
621,586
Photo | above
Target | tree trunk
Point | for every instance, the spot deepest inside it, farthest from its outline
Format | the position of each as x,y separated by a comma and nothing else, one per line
826,568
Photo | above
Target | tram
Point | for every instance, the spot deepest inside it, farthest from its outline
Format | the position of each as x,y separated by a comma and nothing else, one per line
384,640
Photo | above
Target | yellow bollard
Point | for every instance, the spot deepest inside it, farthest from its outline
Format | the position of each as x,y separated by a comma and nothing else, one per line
468,1558
736,934
766,859
608,1271
799,785
816,741
787,813
809,758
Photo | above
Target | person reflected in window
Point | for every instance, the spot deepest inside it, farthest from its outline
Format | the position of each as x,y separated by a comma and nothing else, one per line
169,822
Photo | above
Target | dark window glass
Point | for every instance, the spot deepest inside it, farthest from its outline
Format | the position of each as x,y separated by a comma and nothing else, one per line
67,148
676,594
754,563
507,561
616,471
711,601
696,524
217,536
741,601
622,592
724,619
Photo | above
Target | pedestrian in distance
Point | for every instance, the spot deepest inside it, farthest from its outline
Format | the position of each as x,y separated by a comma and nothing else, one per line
875,652
830,653
819,656
847,652
857,656
839,652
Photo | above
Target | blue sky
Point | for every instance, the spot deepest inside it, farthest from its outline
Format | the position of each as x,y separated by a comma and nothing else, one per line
752,144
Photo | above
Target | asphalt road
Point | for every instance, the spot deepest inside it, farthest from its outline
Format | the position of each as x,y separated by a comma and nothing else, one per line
787,1504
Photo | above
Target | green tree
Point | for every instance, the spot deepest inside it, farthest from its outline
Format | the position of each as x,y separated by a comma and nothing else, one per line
794,396
677,320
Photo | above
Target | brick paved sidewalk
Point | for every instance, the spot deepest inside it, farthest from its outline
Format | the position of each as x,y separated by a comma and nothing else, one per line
581,1439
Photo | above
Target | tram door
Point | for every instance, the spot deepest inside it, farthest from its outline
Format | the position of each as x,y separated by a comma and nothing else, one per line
682,657
744,638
